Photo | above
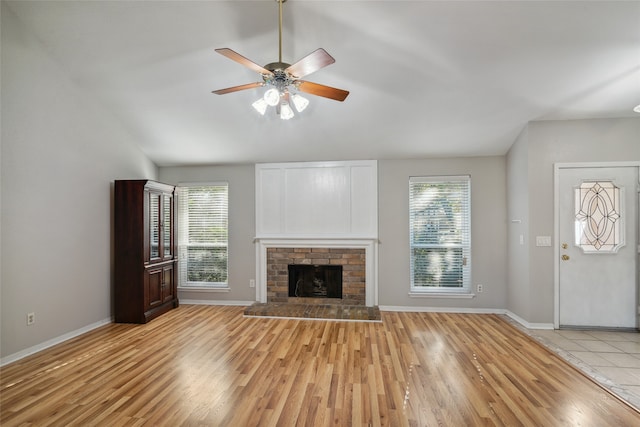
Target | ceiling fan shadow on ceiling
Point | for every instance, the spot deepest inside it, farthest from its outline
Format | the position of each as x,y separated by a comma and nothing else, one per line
284,80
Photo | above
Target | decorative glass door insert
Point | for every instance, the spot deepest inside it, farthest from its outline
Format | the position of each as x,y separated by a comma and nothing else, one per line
599,226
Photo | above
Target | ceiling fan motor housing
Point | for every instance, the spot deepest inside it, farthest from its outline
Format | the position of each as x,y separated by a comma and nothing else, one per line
280,78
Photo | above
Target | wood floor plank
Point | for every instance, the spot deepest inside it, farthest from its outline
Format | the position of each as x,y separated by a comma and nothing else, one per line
211,366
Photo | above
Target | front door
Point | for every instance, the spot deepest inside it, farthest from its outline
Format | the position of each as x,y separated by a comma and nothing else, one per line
598,229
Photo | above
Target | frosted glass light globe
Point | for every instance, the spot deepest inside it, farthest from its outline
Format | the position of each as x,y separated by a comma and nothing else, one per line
272,97
286,112
300,102
260,105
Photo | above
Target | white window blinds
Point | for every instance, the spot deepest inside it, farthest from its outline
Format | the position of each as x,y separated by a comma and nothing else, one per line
440,233
203,235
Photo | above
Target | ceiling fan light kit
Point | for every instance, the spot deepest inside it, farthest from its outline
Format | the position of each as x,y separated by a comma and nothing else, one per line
284,80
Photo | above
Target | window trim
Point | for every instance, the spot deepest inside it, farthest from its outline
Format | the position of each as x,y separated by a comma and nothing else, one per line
466,290
183,284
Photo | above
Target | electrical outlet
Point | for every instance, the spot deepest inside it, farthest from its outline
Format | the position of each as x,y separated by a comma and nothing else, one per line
479,288
252,283
31,319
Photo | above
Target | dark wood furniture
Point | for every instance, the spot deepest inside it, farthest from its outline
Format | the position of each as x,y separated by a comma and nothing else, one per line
145,250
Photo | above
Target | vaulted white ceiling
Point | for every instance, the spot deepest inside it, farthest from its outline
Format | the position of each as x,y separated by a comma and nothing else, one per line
426,78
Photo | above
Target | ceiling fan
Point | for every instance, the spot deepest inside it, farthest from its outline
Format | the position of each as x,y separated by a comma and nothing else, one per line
284,79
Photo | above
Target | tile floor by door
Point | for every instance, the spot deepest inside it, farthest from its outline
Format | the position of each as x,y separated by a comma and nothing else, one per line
611,358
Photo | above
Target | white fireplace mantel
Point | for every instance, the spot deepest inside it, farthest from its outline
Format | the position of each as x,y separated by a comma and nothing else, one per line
371,260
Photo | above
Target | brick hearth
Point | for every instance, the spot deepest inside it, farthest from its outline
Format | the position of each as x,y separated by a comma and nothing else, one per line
352,261
314,311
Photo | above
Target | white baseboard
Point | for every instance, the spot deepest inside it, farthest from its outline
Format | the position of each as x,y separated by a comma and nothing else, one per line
529,325
54,341
214,302
442,309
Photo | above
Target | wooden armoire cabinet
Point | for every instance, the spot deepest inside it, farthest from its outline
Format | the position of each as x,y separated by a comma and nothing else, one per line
145,264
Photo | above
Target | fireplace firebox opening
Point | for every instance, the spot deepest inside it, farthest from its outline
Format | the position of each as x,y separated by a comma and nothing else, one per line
315,281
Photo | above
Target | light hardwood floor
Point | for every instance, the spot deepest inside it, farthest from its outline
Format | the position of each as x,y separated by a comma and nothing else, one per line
210,366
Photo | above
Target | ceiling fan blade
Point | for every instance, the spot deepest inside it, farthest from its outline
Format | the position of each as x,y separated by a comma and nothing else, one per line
311,63
322,90
237,88
235,56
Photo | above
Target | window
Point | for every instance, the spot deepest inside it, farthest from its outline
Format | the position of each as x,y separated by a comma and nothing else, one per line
203,235
440,234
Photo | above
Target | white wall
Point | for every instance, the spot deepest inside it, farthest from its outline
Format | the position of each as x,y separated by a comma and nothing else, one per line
547,143
488,225
488,222
60,155
518,227
242,255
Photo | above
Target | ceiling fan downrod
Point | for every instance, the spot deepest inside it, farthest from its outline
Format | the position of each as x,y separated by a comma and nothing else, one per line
280,29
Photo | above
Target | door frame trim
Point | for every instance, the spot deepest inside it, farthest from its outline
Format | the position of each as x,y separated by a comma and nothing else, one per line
556,225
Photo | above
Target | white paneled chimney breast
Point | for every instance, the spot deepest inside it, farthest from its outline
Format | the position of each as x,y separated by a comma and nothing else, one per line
317,205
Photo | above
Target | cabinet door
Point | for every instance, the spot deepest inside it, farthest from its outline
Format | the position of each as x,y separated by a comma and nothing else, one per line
154,285
168,283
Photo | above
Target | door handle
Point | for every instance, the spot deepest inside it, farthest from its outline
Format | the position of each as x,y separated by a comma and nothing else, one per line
565,257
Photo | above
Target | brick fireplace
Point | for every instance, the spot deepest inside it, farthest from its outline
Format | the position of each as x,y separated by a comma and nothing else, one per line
357,257
352,261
